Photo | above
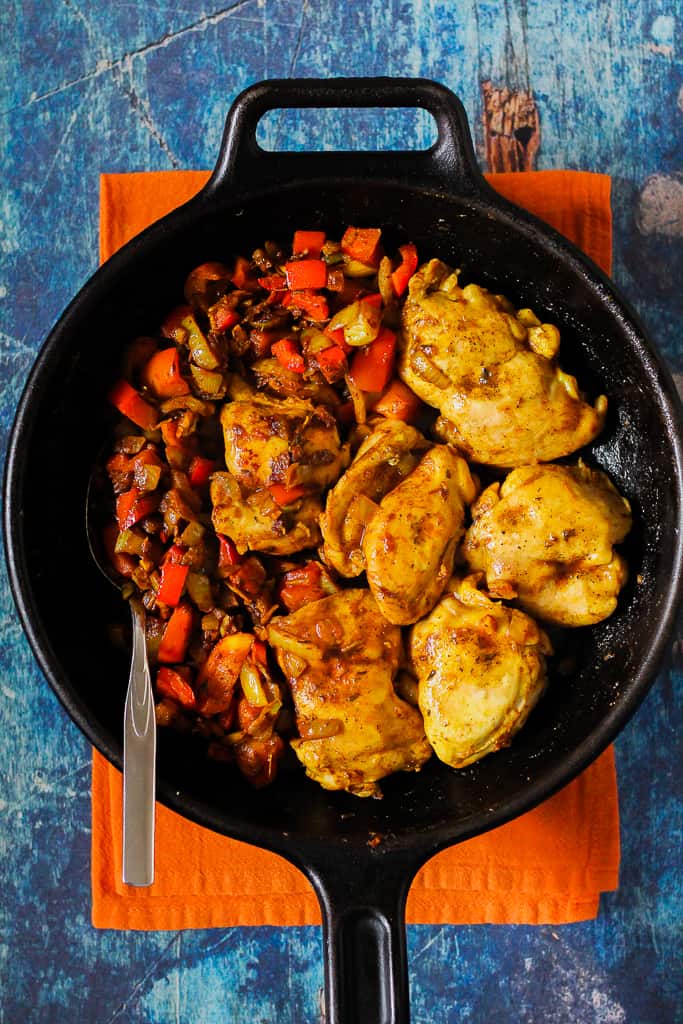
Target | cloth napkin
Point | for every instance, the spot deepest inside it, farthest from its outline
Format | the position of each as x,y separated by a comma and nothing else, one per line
547,867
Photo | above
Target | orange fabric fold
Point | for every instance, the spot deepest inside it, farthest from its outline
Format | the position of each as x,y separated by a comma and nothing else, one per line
548,866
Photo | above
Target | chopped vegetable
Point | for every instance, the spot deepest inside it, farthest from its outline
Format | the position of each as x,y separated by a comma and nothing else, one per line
361,322
229,555
201,470
308,302
219,674
362,244
300,586
162,374
399,403
286,495
332,363
287,352
242,276
170,683
173,577
308,243
274,283
176,636
303,274
131,404
132,506
403,273
371,367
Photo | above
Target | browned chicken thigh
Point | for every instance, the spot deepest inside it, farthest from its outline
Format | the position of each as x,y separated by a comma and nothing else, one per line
545,537
409,543
397,514
340,656
480,668
279,454
491,371
384,459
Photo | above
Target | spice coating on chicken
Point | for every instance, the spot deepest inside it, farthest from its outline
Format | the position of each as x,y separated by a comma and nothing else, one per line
480,668
340,656
384,459
288,443
409,544
491,373
546,537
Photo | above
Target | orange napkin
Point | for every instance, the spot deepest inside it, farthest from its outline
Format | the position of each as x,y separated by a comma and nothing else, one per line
548,866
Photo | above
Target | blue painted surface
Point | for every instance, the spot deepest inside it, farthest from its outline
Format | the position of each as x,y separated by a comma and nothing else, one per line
88,87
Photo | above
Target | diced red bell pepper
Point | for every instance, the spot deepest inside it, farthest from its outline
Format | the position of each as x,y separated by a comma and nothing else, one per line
311,303
337,336
405,270
273,282
332,363
362,244
302,274
286,352
176,636
201,470
286,495
174,555
222,315
131,404
309,242
173,578
132,506
399,403
300,586
372,367
373,300
259,651
162,374
171,684
228,555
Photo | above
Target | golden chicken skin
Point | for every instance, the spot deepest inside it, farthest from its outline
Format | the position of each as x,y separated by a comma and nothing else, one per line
384,459
491,372
409,543
340,656
480,668
546,537
280,454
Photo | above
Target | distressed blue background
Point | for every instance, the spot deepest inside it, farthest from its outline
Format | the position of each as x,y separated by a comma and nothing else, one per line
89,87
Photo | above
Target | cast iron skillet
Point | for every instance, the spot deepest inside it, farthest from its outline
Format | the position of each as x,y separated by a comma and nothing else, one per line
438,199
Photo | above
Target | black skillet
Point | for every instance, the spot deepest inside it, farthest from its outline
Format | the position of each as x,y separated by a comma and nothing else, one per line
438,199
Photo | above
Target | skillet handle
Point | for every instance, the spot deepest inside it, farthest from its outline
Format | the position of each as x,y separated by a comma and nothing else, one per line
362,898
244,165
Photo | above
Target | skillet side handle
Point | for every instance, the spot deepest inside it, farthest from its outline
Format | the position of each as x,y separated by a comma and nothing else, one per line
244,165
363,899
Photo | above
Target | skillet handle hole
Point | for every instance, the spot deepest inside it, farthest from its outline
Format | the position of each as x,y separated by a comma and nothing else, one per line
320,129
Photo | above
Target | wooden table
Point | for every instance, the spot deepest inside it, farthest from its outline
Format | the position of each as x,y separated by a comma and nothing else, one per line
89,87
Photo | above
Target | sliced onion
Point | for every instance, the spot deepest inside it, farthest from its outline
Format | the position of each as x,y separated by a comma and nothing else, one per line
319,729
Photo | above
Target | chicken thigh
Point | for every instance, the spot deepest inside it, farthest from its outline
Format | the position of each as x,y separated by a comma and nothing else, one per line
480,668
384,459
546,536
491,371
409,543
279,455
340,656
